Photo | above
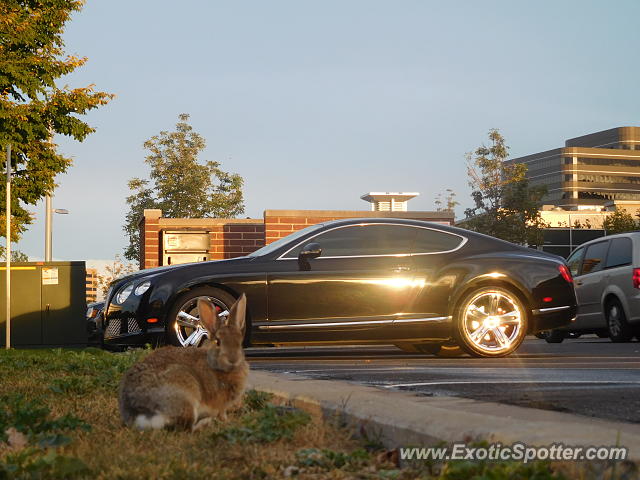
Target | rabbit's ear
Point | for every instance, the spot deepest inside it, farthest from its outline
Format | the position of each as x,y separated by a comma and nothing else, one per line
208,316
238,312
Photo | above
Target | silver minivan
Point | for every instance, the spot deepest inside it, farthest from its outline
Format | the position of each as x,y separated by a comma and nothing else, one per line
606,274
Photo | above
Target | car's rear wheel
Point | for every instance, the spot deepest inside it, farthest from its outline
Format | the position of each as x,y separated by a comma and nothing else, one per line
619,330
490,322
183,324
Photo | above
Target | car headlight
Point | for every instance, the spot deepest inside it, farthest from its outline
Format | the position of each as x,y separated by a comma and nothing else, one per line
143,287
124,293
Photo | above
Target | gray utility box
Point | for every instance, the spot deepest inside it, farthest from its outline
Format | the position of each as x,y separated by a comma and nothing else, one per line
48,304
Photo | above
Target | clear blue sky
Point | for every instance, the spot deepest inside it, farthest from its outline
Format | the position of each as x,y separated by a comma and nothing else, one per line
316,103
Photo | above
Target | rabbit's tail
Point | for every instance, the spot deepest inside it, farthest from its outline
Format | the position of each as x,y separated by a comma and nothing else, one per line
155,422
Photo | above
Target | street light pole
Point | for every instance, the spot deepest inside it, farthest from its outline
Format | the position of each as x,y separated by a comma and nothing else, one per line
47,229
7,342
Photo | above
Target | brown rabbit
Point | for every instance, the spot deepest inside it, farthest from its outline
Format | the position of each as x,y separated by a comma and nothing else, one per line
185,387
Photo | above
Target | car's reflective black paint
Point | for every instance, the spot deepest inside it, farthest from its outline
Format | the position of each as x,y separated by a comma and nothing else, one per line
402,296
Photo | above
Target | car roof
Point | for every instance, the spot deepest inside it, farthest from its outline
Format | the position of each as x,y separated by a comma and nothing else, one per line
633,234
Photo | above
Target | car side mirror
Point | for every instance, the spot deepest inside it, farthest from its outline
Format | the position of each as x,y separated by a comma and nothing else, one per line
308,252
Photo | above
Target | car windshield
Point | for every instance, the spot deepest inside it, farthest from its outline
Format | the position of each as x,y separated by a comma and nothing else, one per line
272,247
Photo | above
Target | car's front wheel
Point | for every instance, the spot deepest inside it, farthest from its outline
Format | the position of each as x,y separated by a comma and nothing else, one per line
619,329
183,324
490,322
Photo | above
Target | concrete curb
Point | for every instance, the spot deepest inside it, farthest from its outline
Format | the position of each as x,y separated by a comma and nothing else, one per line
400,419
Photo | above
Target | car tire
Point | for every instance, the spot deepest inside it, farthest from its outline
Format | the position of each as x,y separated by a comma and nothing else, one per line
555,336
490,321
602,334
180,332
619,330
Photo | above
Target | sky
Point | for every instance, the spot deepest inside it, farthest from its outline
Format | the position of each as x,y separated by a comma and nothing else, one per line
317,103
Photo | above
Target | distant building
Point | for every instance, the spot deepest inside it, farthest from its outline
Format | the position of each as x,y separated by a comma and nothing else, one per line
92,285
388,201
589,171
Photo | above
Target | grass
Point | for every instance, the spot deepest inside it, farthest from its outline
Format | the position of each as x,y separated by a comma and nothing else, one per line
59,419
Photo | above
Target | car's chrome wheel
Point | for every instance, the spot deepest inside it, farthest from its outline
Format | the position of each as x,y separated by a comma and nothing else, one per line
492,322
183,323
188,330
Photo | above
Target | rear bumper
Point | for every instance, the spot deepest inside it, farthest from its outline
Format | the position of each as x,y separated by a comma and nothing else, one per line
553,317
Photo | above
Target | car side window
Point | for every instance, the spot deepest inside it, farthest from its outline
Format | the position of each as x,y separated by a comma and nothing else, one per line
431,241
620,252
355,240
574,261
594,258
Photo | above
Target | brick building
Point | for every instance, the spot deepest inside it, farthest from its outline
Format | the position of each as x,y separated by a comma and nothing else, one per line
166,241
91,283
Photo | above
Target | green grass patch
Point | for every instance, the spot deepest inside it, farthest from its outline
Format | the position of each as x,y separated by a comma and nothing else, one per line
59,419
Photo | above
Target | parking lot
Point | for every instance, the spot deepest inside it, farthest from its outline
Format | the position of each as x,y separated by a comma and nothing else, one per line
587,376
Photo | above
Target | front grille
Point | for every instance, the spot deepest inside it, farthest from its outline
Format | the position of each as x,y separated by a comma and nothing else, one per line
113,328
132,326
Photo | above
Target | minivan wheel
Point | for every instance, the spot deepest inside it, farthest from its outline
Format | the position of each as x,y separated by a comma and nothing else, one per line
619,330
490,322
555,336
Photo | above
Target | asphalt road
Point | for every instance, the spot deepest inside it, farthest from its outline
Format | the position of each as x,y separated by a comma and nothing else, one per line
586,376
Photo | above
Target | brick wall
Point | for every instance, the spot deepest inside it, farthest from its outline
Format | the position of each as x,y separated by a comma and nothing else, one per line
280,223
150,238
229,238
233,239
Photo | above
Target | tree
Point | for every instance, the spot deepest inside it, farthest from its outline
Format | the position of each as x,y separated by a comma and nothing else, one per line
619,221
506,206
16,255
448,204
114,271
32,107
179,184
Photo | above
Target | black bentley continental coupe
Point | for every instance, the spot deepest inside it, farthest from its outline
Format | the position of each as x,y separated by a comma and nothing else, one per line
421,286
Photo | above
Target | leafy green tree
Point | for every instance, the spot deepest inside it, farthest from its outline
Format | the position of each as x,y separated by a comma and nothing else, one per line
16,255
32,106
619,221
179,184
506,206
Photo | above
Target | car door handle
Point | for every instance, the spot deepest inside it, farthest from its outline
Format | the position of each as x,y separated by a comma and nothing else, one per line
578,282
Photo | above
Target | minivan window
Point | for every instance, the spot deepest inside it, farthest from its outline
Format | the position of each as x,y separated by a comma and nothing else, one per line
594,258
574,261
620,252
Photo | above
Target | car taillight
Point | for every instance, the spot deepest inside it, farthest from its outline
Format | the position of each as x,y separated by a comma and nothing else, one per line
566,273
636,278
